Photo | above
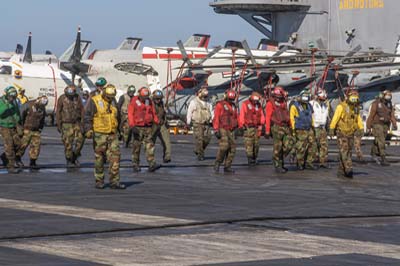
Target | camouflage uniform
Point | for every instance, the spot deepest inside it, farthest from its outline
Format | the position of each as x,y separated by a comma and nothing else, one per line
200,115
105,139
380,118
346,122
283,144
357,144
202,137
301,121
33,116
106,146
225,122
126,131
9,121
69,118
226,148
319,143
161,131
252,118
142,117
145,136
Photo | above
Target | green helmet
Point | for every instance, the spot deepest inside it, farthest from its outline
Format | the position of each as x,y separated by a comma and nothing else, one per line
101,82
11,91
131,89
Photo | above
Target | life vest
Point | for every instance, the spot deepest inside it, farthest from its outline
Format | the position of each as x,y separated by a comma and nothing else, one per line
280,114
228,117
348,123
252,117
201,112
143,112
124,107
105,119
304,120
320,114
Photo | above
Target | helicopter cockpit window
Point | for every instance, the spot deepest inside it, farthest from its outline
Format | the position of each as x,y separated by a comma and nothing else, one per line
5,70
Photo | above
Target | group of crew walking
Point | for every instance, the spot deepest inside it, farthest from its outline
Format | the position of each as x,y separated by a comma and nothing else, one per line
299,129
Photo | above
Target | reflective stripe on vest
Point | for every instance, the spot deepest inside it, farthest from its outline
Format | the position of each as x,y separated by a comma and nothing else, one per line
105,119
304,120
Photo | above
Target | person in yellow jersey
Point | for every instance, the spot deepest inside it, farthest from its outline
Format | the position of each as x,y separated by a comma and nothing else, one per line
22,99
101,124
346,122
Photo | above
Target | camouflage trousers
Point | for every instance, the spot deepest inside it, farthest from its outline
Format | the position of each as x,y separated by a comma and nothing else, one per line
144,136
357,144
345,145
106,146
202,137
283,144
227,148
380,133
73,139
304,147
32,139
12,142
163,134
251,142
126,130
319,142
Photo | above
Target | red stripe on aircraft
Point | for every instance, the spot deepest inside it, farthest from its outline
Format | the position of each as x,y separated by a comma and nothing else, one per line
172,56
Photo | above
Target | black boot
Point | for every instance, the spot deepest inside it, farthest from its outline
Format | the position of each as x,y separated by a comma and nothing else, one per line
13,170
281,170
216,167
3,157
154,167
229,170
33,165
384,161
117,186
136,168
18,161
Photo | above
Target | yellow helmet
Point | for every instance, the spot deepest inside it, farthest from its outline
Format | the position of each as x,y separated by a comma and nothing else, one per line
353,97
110,91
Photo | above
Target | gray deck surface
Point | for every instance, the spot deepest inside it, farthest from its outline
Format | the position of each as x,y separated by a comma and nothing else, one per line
184,214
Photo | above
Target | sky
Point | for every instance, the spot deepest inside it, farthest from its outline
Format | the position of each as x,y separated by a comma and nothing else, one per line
53,23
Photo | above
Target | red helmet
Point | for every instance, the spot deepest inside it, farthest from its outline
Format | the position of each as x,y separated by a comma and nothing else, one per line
144,92
255,97
231,95
279,93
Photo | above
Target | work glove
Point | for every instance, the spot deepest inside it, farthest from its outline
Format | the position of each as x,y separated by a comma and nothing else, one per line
217,134
369,132
267,135
89,134
394,127
59,128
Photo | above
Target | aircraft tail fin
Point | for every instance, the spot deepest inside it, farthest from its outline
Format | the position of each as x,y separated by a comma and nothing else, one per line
19,49
198,40
397,51
84,51
130,44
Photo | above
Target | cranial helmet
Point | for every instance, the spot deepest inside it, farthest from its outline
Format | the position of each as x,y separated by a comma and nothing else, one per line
70,90
101,82
353,97
144,92
157,94
10,91
322,95
110,91
231,95
255,97
305,96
